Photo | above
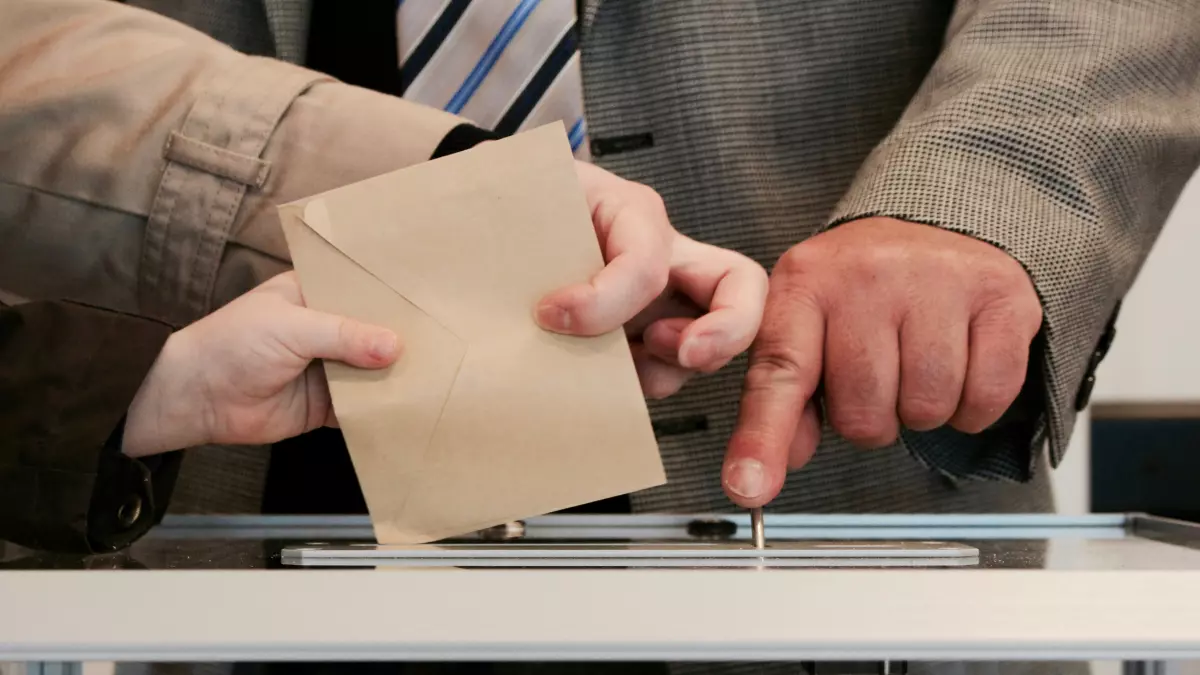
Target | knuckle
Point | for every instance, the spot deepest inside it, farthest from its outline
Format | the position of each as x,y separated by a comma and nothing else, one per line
993,396
796,260
586,313
872,263
921,412
647,199
760,273
778,366
346,335
1030,315
857,381
1005,328
972,423
1010,294
867,427
870,260
748,267
996,382
653,278
871,274
929,390
1005,366
650,196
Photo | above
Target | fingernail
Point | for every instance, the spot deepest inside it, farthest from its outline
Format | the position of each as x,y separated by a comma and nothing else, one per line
553,317
696,350
746,478
383,346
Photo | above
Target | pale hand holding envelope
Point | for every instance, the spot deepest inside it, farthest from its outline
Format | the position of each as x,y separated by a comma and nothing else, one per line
485,418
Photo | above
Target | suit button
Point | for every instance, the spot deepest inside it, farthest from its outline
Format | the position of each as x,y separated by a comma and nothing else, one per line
1085,392
1084,395
129,512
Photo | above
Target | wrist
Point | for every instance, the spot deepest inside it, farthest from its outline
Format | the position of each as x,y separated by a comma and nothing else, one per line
159,419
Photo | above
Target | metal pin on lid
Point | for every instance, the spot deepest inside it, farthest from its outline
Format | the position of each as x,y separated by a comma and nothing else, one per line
757,529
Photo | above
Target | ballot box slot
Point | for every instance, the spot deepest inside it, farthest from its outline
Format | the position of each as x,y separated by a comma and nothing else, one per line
639,554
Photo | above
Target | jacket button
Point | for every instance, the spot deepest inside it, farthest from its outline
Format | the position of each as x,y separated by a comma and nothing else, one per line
1084,395
1085,392
129,512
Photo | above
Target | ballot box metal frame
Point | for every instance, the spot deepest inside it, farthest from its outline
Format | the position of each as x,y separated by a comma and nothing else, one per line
1122,587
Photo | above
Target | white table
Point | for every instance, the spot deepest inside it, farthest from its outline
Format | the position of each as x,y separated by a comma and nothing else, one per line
1047,587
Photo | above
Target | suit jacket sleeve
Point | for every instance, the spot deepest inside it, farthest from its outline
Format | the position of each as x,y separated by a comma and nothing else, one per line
1061,132
142,159
67,375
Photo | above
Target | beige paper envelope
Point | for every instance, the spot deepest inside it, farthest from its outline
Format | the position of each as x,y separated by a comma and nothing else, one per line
485,418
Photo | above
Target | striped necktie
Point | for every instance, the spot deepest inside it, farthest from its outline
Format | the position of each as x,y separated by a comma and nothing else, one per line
505,65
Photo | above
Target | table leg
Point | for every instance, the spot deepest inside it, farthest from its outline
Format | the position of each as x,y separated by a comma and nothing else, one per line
1149,668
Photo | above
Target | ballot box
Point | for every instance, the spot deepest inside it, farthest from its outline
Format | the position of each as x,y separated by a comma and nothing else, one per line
830,593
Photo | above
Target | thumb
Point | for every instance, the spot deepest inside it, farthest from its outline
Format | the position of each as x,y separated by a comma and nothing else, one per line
785,370
317,335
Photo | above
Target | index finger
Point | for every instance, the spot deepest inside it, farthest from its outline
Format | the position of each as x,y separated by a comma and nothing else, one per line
733,288
785,370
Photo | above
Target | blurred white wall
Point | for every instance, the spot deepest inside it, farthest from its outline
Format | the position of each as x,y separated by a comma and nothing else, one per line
1156,356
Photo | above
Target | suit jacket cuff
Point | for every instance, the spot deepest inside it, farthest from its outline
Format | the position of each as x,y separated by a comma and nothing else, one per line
69,373
129,495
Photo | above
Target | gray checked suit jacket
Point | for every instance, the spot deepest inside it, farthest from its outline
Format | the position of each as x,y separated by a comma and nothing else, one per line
1059,130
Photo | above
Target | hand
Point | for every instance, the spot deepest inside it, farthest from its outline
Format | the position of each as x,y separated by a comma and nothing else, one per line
686,306
245,373
908,324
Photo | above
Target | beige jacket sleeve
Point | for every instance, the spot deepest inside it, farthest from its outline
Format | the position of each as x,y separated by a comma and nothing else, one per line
141,160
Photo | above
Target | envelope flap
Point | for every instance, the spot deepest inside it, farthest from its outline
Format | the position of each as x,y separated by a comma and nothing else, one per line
360,246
